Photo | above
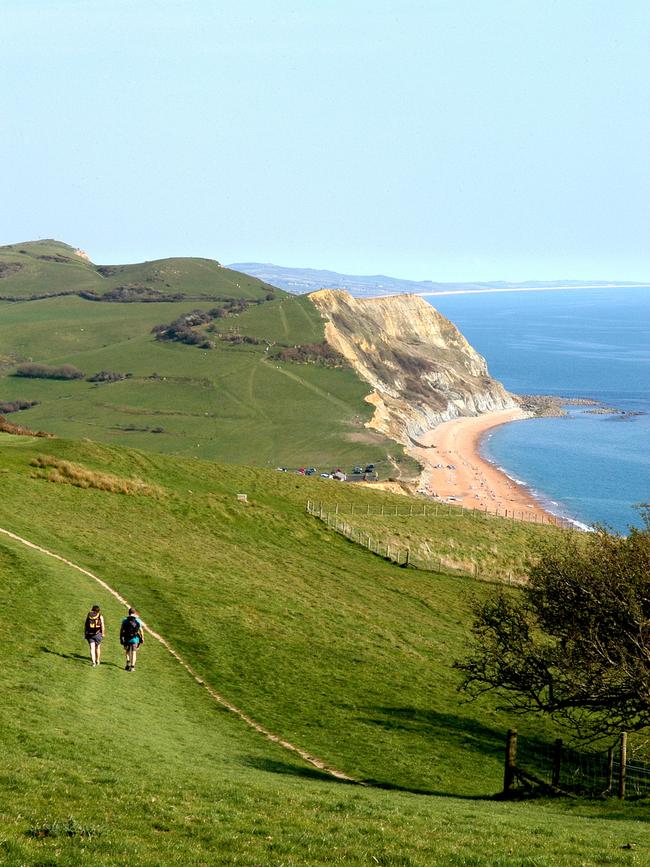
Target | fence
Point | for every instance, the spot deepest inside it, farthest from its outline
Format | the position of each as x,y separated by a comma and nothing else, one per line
436,508
401,554
531,766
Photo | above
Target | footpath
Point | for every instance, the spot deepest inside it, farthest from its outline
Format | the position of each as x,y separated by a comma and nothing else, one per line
215,696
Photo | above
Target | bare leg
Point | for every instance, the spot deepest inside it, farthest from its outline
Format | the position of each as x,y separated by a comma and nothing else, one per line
98,653
93,651
133,649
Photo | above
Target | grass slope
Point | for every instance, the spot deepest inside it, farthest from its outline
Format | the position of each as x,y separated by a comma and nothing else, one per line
331,647
47,267
233,403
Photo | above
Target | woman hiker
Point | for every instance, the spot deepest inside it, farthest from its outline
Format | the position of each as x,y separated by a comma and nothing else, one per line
94,631
131,637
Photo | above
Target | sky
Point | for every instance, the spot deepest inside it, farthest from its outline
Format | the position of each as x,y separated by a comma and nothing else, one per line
447,140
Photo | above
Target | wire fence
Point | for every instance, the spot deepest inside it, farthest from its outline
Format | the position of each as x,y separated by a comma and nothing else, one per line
436,508
531,765
403,555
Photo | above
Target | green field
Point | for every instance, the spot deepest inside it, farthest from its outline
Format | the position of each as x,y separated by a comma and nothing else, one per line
234,403
339,652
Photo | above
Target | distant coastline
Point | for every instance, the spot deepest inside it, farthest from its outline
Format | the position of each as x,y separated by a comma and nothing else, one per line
531,289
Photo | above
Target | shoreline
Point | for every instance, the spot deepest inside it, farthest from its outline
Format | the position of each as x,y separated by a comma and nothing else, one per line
454,469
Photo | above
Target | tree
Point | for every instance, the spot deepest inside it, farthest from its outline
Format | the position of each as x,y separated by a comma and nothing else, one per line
575,643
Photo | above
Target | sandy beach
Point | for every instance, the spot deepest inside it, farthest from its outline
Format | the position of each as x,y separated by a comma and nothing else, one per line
454,470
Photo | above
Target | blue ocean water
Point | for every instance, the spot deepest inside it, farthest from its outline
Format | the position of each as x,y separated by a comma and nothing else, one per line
592,343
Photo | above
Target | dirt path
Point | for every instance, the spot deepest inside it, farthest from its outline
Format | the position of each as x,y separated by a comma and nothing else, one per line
276,739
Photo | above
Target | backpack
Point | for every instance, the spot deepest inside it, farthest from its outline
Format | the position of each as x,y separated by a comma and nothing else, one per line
130,629
93,623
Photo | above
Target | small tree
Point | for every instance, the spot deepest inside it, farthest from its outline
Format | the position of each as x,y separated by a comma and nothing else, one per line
575,642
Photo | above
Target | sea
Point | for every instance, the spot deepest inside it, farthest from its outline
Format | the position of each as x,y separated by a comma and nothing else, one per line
578,343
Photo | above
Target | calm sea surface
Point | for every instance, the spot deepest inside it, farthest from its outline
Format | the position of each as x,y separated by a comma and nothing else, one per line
591,343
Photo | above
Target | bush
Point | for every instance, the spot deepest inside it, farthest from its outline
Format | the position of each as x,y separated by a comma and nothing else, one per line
45,371
313,353
109,376
181,329
16,405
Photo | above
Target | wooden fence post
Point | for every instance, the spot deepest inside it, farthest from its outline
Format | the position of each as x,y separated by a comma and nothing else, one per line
425,510
610,769
408,552
337,509
511,761
557,763
623,767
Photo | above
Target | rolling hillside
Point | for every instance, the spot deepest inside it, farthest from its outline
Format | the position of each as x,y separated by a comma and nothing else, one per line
238,401
333,649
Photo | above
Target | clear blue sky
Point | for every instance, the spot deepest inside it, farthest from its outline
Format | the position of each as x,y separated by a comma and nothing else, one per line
441,139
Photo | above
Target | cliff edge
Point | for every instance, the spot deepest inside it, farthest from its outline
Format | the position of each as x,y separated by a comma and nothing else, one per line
420,367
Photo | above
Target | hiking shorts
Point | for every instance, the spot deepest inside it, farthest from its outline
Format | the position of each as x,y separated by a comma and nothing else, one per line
94,639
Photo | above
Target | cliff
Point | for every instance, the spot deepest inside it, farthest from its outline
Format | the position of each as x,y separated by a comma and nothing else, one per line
420,367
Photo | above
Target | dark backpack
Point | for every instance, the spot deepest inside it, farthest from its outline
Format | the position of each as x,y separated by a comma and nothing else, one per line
130,629
93,624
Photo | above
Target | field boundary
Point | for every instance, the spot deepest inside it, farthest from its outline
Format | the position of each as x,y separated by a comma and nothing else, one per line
270,736
401,554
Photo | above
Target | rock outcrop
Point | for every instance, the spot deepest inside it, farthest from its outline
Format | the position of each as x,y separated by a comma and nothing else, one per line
420,367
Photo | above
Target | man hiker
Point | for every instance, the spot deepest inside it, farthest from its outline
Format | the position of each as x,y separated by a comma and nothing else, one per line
131,637
94,631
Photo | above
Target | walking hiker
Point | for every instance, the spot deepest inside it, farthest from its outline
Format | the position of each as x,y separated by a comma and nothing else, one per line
131,637
94,631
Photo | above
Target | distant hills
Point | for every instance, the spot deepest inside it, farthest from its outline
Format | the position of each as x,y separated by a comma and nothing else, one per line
48,268
299,280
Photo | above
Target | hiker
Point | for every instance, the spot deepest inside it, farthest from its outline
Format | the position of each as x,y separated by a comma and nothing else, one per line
94,631
131,637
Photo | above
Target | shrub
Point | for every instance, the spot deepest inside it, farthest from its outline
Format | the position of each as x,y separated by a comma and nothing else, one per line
16,405
46,371
109,376
313,353
19,430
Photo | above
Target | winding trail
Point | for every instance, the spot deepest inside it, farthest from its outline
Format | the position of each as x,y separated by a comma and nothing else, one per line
276,739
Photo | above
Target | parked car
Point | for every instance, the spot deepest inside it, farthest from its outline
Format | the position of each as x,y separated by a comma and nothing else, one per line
370,468
325,476
357,471
310,471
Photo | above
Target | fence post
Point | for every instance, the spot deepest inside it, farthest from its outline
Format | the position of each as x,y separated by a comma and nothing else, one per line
321,510
425,510
408,552
610,769
353,509
511,761
337,508
557,763
623,767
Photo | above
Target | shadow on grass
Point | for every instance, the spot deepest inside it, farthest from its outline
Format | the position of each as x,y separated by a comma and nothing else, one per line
77,657
458,733
271,766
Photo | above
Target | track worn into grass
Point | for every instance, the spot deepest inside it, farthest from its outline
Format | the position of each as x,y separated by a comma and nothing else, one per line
312,760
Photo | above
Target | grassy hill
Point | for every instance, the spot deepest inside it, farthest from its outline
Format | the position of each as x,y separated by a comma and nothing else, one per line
48,267
332,648
235,402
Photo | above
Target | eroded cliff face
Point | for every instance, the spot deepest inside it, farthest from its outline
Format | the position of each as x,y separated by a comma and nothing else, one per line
420,367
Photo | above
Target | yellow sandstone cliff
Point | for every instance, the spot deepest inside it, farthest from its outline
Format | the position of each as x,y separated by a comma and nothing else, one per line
420,367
